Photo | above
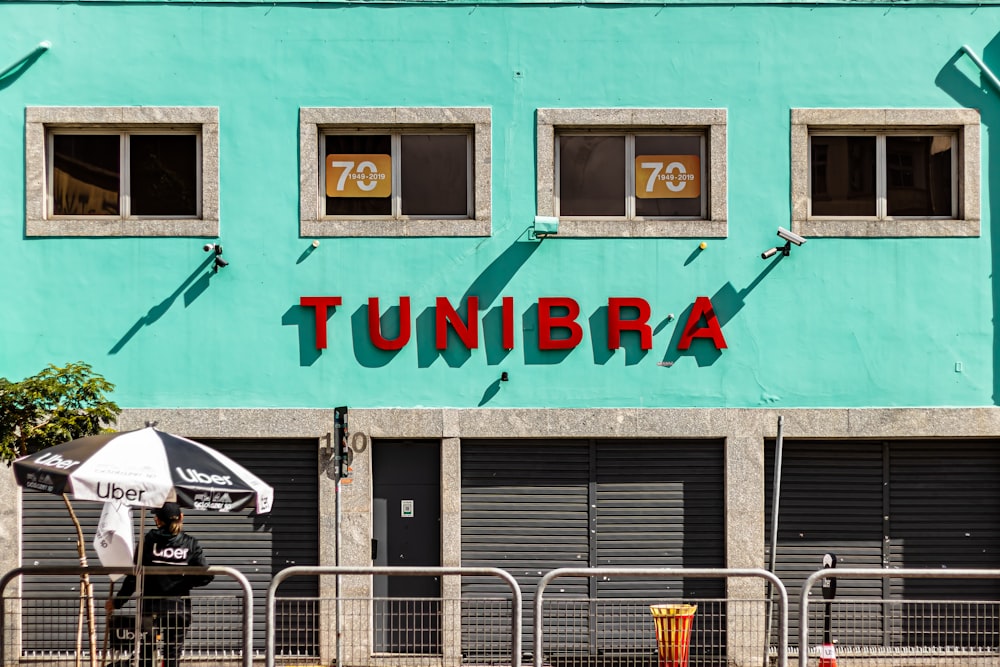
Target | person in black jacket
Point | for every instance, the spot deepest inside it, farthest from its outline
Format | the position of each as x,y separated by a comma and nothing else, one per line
165,605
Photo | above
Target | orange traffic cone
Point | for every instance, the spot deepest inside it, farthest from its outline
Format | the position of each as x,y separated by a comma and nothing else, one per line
828,656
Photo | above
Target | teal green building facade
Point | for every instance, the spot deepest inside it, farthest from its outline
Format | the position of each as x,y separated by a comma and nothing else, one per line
843,323
663,341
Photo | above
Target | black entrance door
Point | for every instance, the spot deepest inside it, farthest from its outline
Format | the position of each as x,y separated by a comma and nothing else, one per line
407,526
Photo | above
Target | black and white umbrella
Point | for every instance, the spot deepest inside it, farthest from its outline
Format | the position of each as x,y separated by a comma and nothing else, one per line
144,468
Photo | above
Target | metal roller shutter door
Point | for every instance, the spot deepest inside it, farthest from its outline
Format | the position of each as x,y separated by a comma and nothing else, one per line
531,507
524,509
944,512
257,546
887,504
659,504
831,502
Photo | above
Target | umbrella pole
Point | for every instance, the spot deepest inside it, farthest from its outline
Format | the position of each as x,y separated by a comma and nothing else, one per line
105,654
139,590
86,592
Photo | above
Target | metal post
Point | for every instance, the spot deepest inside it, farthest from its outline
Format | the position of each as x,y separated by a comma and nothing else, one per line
340,430
337,452
828,653
773,555
336,562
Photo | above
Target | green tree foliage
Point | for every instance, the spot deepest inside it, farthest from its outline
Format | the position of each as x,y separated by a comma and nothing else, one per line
52,407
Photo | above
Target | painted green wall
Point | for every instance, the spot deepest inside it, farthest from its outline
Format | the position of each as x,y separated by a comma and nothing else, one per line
841,322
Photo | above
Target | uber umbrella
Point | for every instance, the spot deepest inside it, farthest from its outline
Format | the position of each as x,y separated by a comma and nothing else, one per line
144,468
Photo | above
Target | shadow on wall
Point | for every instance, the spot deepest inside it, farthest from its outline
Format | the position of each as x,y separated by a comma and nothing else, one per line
12,73
726,302
962,79
192,287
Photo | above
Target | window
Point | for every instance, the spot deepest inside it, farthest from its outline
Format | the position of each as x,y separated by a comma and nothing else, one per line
395,171
122,171
633,172
885,172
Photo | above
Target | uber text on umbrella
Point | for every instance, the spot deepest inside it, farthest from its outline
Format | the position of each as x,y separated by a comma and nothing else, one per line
195,477
114,492
55,461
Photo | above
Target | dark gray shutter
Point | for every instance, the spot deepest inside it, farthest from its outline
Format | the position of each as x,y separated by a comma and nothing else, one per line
260,547
660,504
257,546
944,513
904,503
831,502
534,506
524,509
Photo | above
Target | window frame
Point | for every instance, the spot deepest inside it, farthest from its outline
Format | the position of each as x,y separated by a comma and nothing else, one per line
396,152
42,123
316,122
962,124
710,123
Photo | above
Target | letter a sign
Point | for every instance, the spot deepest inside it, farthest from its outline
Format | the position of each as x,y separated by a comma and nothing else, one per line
702,309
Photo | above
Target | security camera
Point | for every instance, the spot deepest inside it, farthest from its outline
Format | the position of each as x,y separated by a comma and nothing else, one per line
790,236
208,247
219,262
785,250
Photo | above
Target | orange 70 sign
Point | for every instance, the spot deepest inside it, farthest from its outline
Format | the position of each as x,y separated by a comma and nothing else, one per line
358,175
667,176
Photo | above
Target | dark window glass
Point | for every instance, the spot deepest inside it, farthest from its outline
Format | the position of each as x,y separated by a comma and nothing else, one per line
434,173
670,145
358,144
843,176
918,178
163,174
86,174
591,175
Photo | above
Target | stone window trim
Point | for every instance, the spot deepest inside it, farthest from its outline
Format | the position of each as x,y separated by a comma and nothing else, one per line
315,120
39,119
965,122
711,121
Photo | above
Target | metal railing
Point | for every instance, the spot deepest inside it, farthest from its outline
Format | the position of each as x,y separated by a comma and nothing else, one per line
727,629
47,624
603,622
362,626
934,624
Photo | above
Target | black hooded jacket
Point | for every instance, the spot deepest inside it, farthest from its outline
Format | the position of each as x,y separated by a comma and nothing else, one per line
162,548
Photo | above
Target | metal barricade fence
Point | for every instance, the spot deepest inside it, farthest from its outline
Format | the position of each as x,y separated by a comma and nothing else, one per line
362,625
921,617
50,624
613,626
